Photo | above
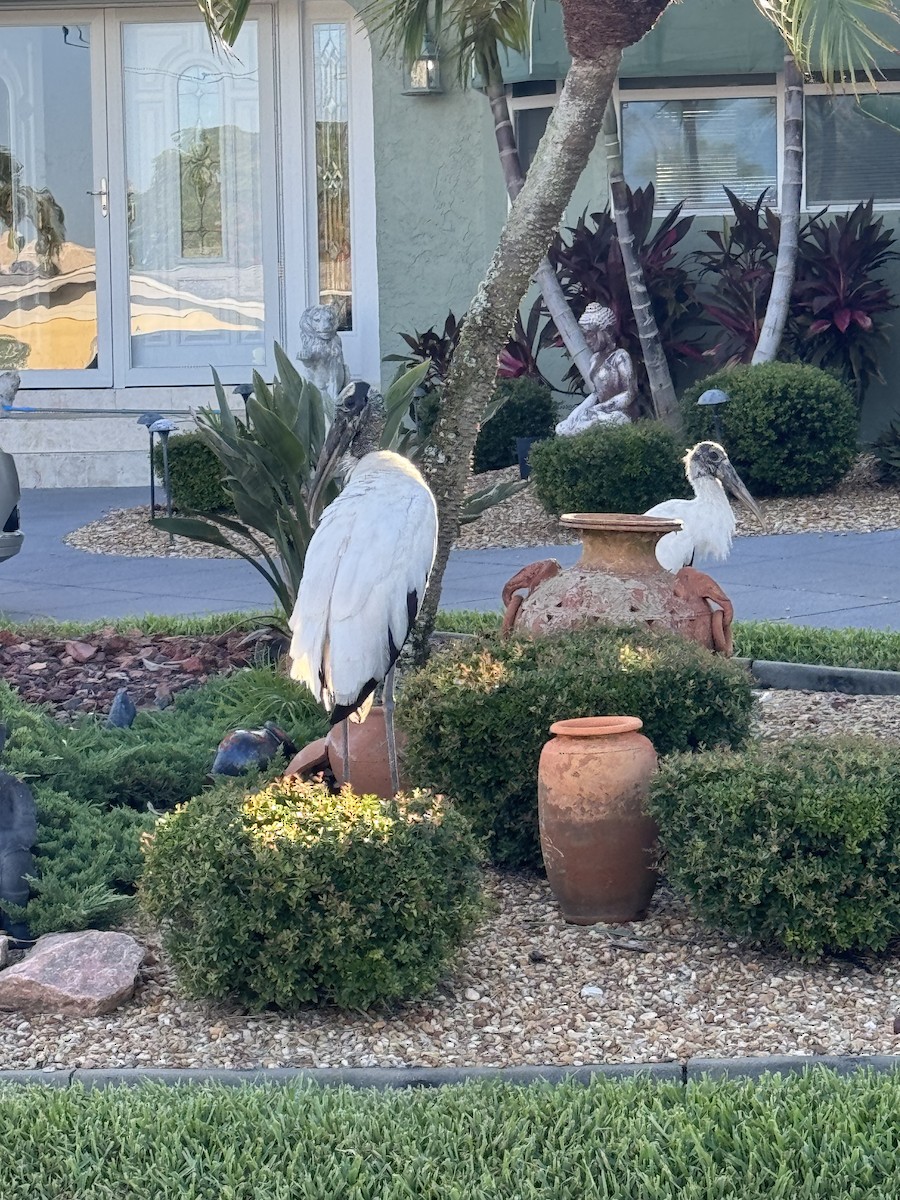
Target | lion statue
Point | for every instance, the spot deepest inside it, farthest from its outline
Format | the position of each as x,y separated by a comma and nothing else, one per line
321,355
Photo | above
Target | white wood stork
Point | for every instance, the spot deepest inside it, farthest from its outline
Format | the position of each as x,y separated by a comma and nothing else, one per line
366,568
707,521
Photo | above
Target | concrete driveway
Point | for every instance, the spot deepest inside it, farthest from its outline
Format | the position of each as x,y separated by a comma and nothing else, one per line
809,579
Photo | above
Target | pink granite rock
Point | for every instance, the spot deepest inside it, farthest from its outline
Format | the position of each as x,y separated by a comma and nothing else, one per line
88,973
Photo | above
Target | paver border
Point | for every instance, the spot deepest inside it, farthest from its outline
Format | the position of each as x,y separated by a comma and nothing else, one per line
813,677
388,1078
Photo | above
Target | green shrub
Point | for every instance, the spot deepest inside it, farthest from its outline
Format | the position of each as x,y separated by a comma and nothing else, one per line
527,411
477,715
617,468
293,895
795,845
789,429
94,785
195,474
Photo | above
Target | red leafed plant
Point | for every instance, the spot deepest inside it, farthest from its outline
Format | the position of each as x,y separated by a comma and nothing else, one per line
839,295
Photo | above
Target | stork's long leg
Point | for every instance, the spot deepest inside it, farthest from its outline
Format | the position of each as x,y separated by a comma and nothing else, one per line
345,750
389,730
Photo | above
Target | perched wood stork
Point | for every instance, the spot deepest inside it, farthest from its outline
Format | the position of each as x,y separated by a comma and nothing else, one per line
366,568
707,521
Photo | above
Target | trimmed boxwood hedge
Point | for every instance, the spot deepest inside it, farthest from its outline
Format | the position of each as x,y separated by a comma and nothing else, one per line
477,715
789,429
796,845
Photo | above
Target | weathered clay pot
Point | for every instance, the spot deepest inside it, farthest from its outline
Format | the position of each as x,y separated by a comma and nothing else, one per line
597,840
617,581
370,772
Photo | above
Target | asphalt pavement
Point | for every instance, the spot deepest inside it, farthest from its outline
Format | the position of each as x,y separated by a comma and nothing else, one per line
830,580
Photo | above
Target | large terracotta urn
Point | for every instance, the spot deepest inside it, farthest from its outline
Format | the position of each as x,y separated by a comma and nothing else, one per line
618,581
596,837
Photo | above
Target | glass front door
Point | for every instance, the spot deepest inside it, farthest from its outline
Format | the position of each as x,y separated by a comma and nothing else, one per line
54,203
138,220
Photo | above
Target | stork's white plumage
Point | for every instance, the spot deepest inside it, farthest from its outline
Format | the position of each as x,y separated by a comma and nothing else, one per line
367,565
707,521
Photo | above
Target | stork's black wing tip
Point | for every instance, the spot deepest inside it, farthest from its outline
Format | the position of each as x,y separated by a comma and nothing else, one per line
341,712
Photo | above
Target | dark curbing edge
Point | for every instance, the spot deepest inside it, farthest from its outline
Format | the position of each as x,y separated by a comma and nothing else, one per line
383,1078
808,677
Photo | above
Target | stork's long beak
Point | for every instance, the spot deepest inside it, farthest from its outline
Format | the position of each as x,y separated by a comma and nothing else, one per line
733,482
336,445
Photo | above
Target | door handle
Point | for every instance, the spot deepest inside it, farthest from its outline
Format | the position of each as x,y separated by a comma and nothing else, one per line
104,198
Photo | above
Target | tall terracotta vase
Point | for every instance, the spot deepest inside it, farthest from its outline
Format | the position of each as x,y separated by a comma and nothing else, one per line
597,840
618,581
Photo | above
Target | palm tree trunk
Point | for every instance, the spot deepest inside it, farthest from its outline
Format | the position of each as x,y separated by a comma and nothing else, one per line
662,390
530,227
778,307
545,276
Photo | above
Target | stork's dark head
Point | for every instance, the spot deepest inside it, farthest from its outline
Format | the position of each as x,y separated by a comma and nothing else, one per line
356,430
708,460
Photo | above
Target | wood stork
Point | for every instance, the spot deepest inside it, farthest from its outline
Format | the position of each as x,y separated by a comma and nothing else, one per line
366,568
707,521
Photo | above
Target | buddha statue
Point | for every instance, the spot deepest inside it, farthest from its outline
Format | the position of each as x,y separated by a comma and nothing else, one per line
612,375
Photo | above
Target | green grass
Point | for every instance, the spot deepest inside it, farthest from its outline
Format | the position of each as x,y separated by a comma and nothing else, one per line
169,626
801,1138
776,642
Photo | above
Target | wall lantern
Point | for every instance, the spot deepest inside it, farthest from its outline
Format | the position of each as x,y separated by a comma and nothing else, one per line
715,397
425,72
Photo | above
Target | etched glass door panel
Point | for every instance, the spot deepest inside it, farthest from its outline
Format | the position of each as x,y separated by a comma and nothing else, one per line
195,211
53,205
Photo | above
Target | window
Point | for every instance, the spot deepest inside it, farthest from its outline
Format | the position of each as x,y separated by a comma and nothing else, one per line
851,156
689,147
333,168
530,124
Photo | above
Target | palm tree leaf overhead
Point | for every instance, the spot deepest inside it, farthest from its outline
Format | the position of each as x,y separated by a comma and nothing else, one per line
474,29
224,18
834,37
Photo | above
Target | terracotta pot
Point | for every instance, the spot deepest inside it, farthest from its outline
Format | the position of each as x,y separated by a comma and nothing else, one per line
597,840
370,772
617,581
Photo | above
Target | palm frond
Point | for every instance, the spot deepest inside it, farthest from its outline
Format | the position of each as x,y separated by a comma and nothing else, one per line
834,37
224,19
470,31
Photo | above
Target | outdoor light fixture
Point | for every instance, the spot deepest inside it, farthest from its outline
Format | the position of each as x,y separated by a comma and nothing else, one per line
425,72
163,427
715,397
149,419
245,391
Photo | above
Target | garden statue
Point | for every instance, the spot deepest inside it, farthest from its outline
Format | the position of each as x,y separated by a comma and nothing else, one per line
321,354
612,374
9,385
18,831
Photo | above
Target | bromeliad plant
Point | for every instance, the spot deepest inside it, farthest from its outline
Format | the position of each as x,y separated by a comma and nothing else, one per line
589,263
267,465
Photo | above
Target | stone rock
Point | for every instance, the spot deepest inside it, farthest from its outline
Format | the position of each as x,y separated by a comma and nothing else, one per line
4,950
87,974
18,830
122,711
81,652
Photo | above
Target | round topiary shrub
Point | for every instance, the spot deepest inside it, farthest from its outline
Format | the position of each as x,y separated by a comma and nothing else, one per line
613,468
789,429
527,411
293,895
794,845
477,715
195,474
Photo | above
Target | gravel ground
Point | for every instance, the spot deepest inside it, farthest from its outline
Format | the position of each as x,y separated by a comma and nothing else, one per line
858,505
663,989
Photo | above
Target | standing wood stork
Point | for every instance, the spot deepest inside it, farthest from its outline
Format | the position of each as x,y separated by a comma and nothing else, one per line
707,521
366,568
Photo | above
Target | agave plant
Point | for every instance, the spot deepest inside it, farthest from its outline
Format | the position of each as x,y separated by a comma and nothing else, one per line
267,465
887,450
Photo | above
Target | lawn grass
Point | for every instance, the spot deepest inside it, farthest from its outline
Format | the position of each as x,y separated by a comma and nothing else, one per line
797,1138
771,640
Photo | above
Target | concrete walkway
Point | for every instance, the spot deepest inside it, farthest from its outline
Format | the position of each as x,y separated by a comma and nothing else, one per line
811,579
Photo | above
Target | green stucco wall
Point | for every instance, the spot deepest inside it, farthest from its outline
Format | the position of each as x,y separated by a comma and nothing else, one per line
439,189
